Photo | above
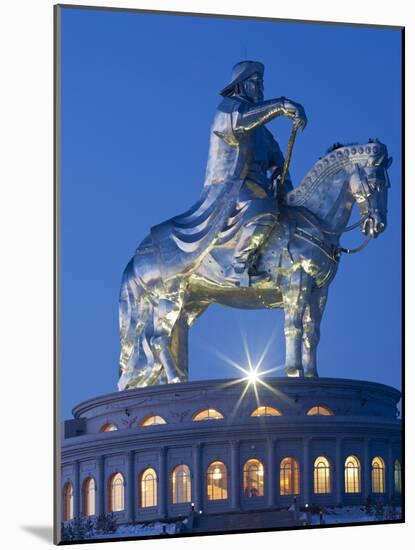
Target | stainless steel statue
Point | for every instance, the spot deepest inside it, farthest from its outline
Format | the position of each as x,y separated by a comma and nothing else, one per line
249,242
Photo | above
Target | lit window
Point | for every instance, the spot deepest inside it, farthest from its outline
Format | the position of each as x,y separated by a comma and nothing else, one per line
253,478
109,427
322,476
148,488
153,421
116,493
217,481
352,475
378,475
181,484
68,501
289,477
88,497
208,414
318,410
266,411
397,476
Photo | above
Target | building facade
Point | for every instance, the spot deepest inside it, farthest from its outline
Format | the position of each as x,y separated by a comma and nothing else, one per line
150,453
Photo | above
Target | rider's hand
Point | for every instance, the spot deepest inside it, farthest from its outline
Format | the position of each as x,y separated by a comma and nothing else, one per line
296,111
300,119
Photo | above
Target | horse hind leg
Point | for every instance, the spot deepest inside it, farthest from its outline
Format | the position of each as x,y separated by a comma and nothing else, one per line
133,317
179,343
179,349
164,338
311,330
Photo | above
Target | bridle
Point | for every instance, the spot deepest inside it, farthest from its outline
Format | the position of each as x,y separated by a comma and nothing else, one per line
335,251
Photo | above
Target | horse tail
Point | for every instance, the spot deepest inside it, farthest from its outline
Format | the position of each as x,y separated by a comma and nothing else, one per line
136,311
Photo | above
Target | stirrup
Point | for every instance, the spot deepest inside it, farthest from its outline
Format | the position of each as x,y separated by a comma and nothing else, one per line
238,274
258,277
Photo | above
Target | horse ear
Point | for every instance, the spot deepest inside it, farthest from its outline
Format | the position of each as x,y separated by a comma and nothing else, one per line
389,162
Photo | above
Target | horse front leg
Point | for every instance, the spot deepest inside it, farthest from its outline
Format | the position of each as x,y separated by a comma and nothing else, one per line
311,330
295,295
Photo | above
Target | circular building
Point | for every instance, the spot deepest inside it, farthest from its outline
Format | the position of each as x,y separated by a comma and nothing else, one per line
225,446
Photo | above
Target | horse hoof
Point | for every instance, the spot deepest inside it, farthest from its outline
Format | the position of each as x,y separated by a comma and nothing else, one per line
294,371
311,373
175,380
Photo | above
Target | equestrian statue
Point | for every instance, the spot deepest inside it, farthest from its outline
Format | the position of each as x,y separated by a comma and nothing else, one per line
251,240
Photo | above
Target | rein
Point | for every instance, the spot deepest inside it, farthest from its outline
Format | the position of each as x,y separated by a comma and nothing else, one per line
357,249
338,249
348,228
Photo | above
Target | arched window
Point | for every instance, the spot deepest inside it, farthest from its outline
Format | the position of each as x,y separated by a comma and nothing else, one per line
148,488
153,421
289,476
68,501
322,476
116,493
208,414
378,475
253,478
181,489
88,497
266,411
217,481
352,475
397,476
109,427
319,410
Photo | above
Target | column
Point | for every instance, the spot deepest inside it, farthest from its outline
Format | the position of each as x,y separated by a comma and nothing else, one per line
390,467
235,476
306,469
77,490
270,472
366,469
131,488
197,485
339,469
100,490
163,482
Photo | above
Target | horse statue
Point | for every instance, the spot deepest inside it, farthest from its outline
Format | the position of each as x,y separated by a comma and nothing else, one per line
301,257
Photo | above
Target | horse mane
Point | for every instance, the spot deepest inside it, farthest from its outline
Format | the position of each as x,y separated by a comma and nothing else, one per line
337,156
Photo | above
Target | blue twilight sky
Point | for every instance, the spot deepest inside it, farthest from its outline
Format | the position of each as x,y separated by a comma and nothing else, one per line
138,95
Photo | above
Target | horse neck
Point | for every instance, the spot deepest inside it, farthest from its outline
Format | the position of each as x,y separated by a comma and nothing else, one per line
328,194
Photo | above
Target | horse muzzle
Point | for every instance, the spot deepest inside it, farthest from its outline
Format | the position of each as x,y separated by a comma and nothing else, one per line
373,226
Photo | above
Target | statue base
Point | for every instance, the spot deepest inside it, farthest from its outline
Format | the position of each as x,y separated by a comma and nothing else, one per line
305,419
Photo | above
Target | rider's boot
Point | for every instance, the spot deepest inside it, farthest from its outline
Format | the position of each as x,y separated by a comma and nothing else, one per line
243,270
256,276
245,274
237,273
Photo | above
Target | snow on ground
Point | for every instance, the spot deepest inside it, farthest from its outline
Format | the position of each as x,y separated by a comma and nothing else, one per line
349,514
139,530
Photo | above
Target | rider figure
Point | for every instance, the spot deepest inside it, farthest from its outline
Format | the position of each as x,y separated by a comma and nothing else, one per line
242,148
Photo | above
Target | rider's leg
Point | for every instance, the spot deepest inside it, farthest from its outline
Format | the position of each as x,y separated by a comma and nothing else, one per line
252,237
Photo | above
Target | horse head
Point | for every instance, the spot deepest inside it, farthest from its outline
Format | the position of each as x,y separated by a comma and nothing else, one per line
345,175
369,185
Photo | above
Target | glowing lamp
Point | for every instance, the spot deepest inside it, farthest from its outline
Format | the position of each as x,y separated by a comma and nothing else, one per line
217,474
